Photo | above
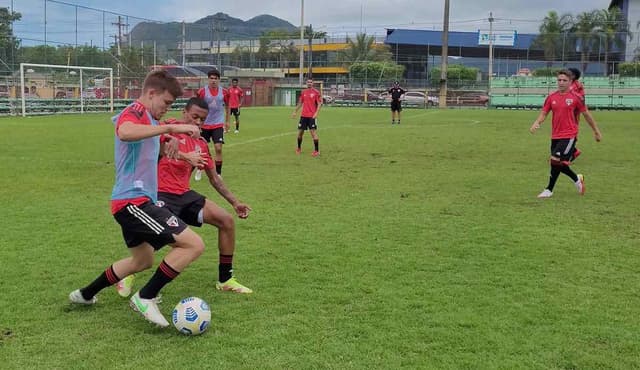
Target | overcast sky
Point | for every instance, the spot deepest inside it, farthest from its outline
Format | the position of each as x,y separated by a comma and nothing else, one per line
336,17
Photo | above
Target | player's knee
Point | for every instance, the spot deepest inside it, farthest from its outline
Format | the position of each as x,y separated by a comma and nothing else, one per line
227,222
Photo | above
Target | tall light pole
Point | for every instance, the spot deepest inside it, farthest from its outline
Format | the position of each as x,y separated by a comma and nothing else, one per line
490,49
445,56
301,41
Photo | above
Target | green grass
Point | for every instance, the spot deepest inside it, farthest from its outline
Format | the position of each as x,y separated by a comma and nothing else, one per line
420,246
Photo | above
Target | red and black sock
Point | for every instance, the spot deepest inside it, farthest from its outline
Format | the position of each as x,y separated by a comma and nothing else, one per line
219,167
225,267
105,280
553,177
163,276
569,172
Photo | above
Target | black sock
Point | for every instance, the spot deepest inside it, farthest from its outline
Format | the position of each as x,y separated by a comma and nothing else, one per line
106,279
225,268
555,172
219,167
237,126
316,145
299,143
398,121
163,276
569,172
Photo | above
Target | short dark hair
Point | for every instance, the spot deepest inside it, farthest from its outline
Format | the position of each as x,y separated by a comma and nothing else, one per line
563,72
213,72
576,73
162,80
197,102
234,80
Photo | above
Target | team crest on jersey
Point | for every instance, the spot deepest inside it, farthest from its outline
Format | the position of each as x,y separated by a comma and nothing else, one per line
172,221
568,101
160,203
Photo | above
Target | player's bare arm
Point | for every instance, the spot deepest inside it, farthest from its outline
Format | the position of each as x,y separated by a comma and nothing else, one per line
295,112
241,209
194,158
317,110
594,126
170,147
536,124
129,131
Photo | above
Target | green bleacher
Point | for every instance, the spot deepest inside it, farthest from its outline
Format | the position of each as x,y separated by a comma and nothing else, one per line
529,92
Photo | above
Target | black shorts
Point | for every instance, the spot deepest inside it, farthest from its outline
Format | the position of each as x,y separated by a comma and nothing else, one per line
186,206
307,123
235,112
396,106
215,135
148,223
563,148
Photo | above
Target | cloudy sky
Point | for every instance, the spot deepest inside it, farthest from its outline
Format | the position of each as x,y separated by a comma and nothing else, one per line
336,17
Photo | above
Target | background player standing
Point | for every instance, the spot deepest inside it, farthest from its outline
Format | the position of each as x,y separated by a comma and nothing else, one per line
310,101
236,98
396,93
217,99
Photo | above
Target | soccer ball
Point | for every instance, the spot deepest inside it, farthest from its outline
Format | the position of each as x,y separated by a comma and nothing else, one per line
191,316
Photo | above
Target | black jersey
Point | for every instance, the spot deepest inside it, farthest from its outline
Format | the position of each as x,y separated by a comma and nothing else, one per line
396,93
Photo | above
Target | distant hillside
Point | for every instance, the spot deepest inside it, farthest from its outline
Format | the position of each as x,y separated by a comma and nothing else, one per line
168,35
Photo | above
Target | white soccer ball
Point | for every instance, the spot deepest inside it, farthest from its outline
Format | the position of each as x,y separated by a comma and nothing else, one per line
191,316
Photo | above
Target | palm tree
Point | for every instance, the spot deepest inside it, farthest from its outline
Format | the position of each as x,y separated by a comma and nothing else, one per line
585,31
364,49
614,29
552,35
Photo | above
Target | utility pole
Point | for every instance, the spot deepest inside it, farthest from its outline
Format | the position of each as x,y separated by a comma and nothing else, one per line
301,40
444,56
310,73
218,28
184,32
491,19
118,38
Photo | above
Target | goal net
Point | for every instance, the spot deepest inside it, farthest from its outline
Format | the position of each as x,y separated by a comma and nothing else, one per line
49,89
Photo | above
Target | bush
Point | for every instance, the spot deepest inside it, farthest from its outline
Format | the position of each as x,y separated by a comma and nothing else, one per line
545,72
455,72
629,69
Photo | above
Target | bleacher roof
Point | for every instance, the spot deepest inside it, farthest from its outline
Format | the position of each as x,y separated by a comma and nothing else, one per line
456,39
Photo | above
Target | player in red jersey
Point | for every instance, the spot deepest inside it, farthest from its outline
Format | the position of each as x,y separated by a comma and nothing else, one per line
564,130
578,89
145,226
310,101
236,98
175,194
217,121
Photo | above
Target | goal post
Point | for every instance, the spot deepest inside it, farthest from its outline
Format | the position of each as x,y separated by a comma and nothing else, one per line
59,83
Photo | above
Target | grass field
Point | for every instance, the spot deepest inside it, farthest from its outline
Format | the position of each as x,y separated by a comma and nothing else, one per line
414,246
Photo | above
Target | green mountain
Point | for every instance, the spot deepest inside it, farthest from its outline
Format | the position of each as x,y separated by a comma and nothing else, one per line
169,35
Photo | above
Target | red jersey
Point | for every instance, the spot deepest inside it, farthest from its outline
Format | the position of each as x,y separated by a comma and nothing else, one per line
577,88
563,121
174,174
135,113
310,99
235,96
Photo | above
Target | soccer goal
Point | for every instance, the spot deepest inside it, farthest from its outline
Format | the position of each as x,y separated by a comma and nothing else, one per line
50,88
